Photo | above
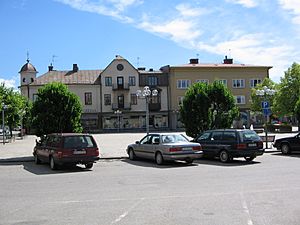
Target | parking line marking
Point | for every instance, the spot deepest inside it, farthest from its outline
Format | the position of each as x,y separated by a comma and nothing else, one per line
122,216
246,209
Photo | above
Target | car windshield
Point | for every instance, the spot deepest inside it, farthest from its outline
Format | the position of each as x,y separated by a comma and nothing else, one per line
249,135
173,138
79,142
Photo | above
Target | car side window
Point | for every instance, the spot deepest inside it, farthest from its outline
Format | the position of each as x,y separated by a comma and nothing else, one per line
146,140
204,136
155,140
229,136
216,136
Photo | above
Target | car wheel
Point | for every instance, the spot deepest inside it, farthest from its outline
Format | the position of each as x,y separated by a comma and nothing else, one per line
189,161
88,165
249,159
285,149
53,165
224,157
36,159
131,154
159,158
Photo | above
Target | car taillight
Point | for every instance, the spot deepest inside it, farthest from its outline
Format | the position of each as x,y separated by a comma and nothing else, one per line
97,152
260,144
241,146
197,148
174,149
59,154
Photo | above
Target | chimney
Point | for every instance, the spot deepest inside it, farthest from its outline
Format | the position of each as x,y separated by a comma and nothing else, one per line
142,68
228,61
75,68
50,68
194,61
151,70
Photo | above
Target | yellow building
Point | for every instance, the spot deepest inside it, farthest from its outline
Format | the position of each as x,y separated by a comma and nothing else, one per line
239,78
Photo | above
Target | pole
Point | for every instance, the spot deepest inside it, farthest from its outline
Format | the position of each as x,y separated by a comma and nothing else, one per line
147,115
3,124
266,130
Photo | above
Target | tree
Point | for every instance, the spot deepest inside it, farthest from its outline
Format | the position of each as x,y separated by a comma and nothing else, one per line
56,110
288,91
16,106
207,107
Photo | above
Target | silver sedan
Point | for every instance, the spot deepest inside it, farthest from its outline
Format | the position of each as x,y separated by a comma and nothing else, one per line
165,147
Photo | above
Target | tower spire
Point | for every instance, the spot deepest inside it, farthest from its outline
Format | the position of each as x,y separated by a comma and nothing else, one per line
28,57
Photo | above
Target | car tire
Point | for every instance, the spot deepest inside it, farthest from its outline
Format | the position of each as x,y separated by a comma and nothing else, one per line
285,149
224,156
249,159
89,165
189,161
159,158
53,165
36,159
131,154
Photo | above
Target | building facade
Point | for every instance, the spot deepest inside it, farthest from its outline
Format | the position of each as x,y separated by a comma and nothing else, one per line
109,99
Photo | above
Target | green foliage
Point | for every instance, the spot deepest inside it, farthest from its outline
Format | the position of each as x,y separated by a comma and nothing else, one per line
288,92
56,110
16,106
256,100
206,107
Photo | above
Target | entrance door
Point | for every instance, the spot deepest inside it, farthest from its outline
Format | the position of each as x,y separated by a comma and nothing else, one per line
121,101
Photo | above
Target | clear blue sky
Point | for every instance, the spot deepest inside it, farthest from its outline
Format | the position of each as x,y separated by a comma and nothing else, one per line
159,32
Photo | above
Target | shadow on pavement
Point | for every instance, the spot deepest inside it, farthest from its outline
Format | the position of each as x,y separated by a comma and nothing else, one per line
235,162
44,169
294,154
151,163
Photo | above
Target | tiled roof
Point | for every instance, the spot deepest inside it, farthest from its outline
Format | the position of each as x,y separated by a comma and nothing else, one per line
220,65
28,67
69,77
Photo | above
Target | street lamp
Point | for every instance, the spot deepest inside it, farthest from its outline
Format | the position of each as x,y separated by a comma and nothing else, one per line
146,94
4,107
118,113
265,106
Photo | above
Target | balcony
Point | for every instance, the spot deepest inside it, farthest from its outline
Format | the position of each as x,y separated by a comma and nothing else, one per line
117,87
125,106
154,106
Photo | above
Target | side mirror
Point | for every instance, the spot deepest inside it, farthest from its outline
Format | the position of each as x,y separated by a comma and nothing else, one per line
137,142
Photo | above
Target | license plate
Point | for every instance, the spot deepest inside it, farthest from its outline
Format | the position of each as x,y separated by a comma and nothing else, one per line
79,152
187,149
252,145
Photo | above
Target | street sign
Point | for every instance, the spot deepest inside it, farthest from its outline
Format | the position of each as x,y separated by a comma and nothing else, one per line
265,105
267,112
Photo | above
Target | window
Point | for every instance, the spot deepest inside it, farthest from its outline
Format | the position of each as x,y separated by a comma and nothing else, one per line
152,81
229,136
206,81
131,81
223,81
183,84
254,82
204,136
133,99
107,99
238,83
88,98
180,100
240,99
108,81
216,136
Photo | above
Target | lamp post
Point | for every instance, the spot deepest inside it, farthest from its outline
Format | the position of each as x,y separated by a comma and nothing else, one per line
265,106
146,94
118,113
4,107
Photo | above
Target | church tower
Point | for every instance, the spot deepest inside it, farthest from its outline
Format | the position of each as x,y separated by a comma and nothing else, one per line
27,76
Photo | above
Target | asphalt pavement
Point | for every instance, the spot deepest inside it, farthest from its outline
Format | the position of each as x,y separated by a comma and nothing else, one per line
111,145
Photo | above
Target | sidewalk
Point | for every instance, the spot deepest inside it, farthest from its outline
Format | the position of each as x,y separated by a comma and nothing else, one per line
111,146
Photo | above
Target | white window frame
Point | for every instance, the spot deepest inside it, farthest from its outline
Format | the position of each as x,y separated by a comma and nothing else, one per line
258,81
206,81
183,84
235,83
222,81
242,99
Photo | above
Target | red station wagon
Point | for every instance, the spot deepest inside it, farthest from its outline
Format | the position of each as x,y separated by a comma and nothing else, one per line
66,148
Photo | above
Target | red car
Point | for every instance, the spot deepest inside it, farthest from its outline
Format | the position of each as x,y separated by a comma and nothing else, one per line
66,149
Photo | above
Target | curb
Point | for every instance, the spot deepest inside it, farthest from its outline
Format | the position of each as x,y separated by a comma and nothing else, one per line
31,159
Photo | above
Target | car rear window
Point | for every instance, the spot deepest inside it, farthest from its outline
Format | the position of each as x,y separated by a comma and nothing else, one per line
249,135
79,142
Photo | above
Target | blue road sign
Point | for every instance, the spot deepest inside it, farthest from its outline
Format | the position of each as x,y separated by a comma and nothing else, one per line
267,112
265,105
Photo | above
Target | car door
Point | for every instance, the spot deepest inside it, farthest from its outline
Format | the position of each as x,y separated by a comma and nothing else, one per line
143,149
215,143
295,143
205,141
